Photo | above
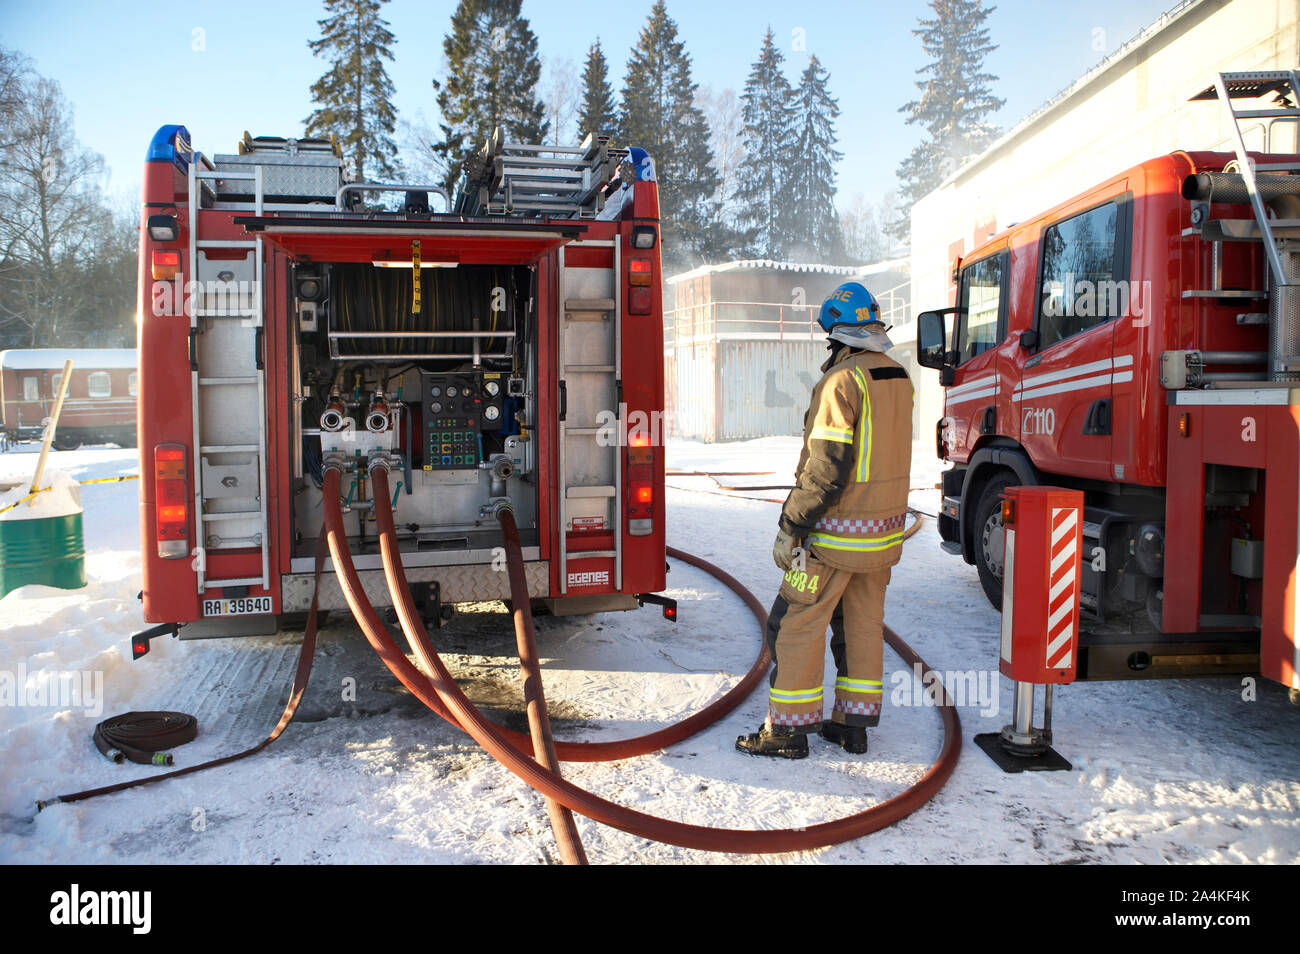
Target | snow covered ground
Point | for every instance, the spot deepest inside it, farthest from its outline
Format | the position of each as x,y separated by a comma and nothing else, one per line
1165,771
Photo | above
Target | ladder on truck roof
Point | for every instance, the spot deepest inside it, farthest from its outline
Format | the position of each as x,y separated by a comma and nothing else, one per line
227,371
559,181
1252,85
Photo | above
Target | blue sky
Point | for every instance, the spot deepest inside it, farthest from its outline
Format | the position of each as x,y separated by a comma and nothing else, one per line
128,68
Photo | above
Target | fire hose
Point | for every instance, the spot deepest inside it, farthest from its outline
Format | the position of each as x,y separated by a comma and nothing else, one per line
534,758
441,694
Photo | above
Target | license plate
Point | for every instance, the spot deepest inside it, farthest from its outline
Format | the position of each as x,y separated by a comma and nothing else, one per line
237,606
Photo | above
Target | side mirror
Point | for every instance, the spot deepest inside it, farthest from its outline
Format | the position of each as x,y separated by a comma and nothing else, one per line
1029,340
931,340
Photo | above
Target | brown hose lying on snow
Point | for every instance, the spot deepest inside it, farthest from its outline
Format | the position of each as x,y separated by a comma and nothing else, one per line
439,691
539,720
419,684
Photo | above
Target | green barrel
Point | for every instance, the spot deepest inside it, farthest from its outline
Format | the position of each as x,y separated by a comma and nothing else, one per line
46,550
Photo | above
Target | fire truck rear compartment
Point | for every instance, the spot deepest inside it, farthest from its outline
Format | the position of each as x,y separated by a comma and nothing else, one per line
440,375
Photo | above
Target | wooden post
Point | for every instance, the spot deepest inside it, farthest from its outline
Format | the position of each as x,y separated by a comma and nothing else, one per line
54,423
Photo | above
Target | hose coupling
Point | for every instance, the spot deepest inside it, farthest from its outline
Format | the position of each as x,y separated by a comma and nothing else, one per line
377,420
335,461
335,412
502,467
494,508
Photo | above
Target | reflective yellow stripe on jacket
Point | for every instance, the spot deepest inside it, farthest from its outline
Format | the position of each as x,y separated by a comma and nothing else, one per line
840,435
834,542
864,430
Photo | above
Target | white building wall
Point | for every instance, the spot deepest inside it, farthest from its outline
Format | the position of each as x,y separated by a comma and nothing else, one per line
1129,109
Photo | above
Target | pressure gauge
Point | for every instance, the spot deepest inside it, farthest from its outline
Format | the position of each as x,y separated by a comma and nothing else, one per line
436,407
491,412
493,388
451,390
435,391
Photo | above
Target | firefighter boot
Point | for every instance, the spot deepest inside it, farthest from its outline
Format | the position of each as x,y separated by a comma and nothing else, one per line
853,738
777,740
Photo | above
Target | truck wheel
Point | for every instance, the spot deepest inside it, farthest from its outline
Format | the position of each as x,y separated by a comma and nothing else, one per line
989,537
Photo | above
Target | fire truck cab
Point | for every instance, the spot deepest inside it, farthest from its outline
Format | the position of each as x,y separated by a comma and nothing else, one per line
500,346
1140,342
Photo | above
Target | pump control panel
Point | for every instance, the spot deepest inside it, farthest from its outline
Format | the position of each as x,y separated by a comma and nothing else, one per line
457,408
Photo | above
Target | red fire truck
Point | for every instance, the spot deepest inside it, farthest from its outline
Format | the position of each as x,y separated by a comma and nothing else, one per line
1141,342
503,350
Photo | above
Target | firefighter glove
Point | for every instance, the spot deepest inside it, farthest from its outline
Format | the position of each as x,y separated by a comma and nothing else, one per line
783,549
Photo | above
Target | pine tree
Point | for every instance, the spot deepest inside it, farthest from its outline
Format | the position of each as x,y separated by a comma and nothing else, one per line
956,98
767,146
597,113
492,75
354,99
814,231
659,114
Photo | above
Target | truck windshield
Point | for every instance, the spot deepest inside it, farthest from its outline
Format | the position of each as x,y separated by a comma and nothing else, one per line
981,306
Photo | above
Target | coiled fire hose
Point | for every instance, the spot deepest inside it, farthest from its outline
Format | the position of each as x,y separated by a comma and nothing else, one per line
144,737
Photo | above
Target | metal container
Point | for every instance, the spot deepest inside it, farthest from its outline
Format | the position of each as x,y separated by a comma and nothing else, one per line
45,550
728,390
764,386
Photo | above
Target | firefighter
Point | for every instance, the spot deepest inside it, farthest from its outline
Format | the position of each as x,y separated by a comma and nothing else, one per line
841,529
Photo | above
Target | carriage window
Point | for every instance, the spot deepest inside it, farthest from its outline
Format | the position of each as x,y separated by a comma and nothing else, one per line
99,384
31,389
56,383
981,307
130,384
1080,287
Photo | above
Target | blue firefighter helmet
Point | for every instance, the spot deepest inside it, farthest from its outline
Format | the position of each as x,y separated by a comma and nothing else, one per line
850,304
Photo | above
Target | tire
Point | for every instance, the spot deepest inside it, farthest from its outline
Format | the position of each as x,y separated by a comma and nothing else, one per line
66,442
988,536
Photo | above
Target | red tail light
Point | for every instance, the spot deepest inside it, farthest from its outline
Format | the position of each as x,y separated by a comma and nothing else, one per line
165,264
639,274
171,501
640,484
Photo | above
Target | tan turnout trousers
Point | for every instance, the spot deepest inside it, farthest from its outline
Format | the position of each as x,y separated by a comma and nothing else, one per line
853,606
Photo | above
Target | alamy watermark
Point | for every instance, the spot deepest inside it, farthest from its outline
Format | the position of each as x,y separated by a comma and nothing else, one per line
1074,297
966,688
221,298
53,689
128,908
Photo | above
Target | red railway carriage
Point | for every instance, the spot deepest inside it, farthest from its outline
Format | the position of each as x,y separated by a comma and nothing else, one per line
502,350
99,407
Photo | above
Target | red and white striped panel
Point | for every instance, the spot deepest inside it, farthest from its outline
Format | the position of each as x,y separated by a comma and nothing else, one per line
1062,599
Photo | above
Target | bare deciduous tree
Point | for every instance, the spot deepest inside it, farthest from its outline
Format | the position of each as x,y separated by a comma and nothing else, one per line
863,225
722,109
50,216
560,91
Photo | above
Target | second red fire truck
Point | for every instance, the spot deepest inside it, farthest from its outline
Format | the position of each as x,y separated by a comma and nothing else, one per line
1141,343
